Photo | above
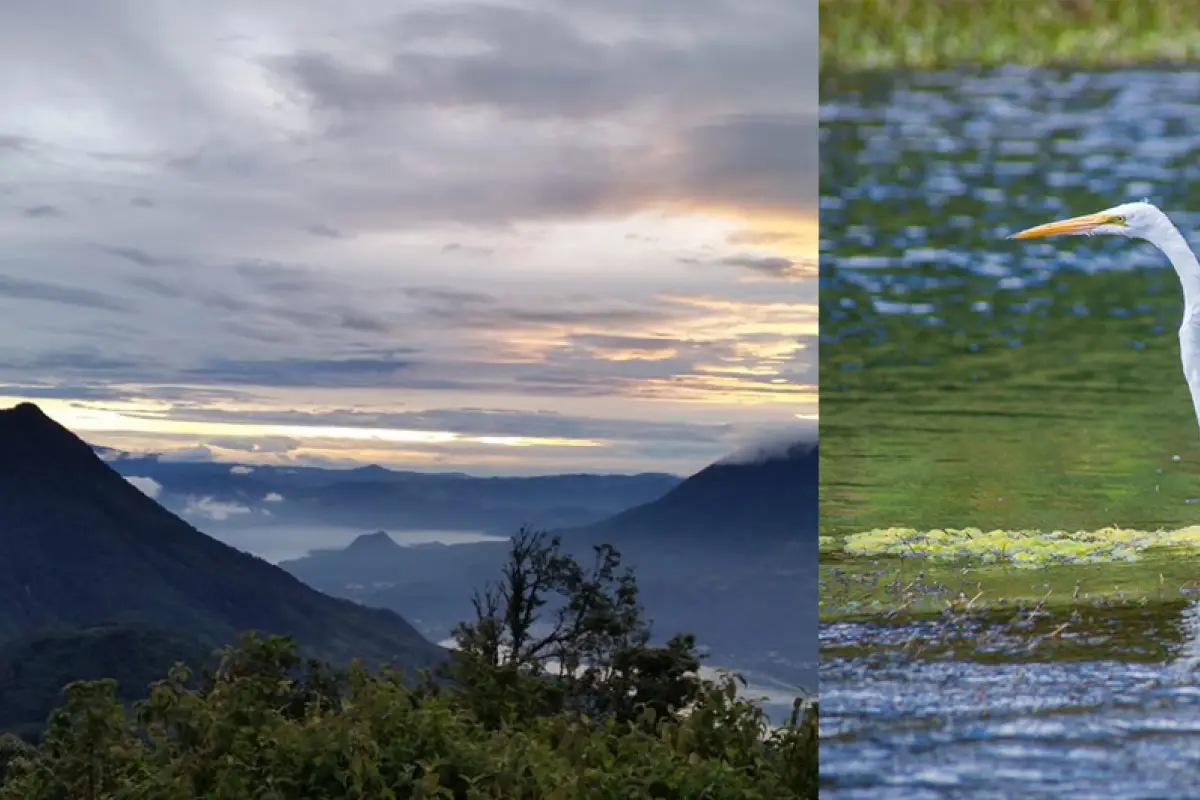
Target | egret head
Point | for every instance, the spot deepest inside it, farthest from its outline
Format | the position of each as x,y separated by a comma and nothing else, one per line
1135,220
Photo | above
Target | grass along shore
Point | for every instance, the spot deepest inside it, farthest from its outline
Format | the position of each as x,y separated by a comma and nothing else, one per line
860,35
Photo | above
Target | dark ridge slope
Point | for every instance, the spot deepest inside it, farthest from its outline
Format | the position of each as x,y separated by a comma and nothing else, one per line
770,499
79,546
34,669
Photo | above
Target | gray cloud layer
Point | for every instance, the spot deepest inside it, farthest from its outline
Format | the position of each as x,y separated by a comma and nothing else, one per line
458,202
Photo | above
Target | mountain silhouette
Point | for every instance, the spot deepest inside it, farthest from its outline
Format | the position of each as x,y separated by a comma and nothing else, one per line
373,544
768,497
80,546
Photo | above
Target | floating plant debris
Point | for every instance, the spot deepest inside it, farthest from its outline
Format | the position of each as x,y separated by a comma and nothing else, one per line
1029,549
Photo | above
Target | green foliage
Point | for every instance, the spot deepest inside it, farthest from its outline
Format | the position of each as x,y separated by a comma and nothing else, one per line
259,728
12,748
577,633
577,705
34,669
922,34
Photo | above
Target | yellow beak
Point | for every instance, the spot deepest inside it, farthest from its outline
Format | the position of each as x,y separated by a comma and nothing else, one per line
1074,225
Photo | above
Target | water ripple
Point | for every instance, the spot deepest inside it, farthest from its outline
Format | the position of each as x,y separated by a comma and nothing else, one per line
1078,410
1053,730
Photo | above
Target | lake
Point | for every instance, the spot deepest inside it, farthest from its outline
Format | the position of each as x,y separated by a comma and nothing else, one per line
276,543
968,381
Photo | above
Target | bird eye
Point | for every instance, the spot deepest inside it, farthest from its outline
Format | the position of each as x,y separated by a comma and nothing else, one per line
1118,220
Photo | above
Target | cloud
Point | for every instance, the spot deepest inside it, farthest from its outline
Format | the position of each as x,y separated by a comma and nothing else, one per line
480,422
764,237
459,247
743,161
324,231
76,391
157,286
772,442
80,360
135,256
195,453
273,497
445,297
714,90
150,487
378,370
19,289
553,345
251,444
430,209
588,61
213,509
773,266
107,454
240,469
22,143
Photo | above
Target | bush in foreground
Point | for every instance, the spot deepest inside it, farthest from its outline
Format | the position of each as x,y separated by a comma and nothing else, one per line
260,728
554,693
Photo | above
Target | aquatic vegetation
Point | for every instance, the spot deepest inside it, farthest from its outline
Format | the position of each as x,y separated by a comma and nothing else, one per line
1028,549
890,34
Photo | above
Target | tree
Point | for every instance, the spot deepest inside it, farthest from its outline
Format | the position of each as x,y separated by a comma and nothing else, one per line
577,633
12,748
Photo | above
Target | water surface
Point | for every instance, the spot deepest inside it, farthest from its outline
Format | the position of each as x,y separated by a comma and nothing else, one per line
1126,728
972,381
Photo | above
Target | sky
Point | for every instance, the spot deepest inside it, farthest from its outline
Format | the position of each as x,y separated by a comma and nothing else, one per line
503,238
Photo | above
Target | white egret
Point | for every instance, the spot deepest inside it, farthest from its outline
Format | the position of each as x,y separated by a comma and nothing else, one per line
1145,221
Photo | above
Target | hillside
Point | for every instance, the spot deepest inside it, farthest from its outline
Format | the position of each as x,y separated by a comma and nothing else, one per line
767,499
35,668
80,546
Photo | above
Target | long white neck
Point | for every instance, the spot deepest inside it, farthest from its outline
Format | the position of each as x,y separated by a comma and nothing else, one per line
1167,238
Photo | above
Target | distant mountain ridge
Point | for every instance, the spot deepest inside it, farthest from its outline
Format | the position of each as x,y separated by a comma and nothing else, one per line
738,501
80,546
374,497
